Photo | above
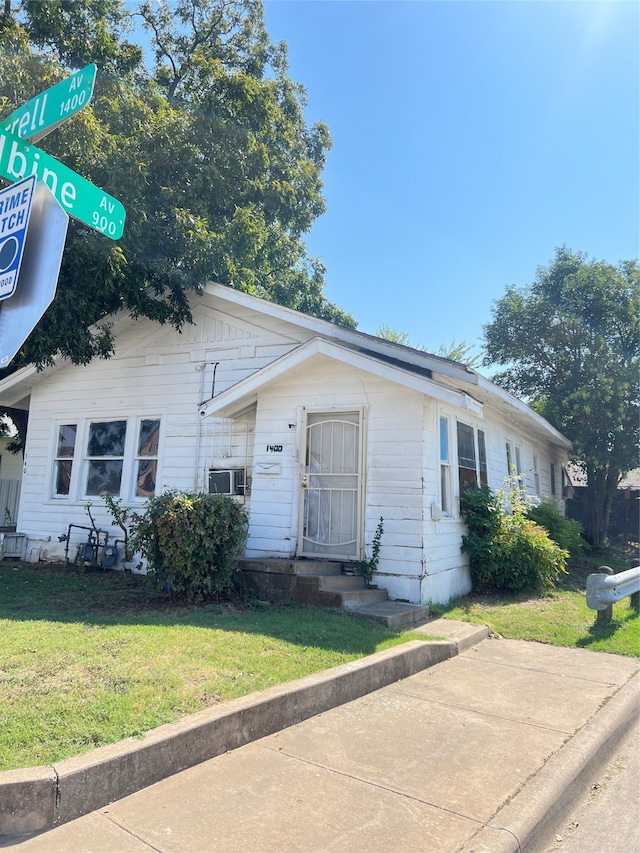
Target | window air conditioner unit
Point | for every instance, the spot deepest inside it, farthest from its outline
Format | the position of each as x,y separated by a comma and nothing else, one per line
229,482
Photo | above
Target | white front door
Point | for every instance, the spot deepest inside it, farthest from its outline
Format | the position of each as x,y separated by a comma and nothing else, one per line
331,485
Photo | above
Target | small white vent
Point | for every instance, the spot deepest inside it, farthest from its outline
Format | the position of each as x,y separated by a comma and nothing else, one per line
472,405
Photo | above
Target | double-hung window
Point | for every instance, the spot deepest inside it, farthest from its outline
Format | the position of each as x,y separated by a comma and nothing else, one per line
147,458
63,463
472,456
105,457
445,468
114,457
514,460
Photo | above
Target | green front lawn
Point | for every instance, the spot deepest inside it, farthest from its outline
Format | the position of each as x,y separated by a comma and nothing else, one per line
560,617
89,659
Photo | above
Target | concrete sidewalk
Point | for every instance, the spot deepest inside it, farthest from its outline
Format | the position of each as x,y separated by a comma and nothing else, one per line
480,753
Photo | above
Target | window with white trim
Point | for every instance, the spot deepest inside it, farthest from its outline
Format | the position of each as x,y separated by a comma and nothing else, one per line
147,458
446,503
514,459
113,457
536,476
63,462
472,456
104,458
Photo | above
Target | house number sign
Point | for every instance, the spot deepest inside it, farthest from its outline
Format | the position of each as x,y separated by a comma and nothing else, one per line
274,448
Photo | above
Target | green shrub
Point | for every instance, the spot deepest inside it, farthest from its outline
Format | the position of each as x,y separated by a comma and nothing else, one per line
191,543
533,561
566,532
481,512
507,551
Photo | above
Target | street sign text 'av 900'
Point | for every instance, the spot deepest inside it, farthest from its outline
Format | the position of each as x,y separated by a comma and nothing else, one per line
77,196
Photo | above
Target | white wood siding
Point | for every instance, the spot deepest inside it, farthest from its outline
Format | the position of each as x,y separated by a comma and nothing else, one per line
446,572
162,374
393,465
155,374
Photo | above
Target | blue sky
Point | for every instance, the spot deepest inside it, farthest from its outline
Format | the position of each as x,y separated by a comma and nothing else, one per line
470,139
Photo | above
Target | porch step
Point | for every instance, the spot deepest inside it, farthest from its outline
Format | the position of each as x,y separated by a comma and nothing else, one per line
356,597
318,567
343,582
291,567
323,584
395,614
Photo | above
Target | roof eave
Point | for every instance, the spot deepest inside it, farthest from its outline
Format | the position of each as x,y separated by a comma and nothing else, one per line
243,393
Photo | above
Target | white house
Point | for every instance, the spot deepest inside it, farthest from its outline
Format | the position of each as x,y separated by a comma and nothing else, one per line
320,430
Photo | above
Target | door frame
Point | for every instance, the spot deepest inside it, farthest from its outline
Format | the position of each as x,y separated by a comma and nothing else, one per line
361,490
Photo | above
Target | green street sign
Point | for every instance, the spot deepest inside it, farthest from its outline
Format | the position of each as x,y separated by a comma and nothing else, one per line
50,108
76,195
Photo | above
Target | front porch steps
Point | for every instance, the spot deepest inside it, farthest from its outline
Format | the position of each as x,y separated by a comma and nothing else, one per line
394,614
325,584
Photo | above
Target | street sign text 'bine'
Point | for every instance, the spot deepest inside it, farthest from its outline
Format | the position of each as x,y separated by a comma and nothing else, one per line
77,196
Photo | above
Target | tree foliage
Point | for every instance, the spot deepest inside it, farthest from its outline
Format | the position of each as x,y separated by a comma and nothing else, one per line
570,344
202,138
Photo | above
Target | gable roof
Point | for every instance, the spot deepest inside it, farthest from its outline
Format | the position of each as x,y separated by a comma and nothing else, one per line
260,311
439,377
244,392
463,384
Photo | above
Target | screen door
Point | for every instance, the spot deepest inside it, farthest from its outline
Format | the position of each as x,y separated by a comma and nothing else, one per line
331,485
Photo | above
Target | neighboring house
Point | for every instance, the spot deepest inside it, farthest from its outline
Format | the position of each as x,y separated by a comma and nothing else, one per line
624,518
320,430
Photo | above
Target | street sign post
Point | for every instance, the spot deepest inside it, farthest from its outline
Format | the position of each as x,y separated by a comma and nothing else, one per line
77,196
50,108
31,247
15,210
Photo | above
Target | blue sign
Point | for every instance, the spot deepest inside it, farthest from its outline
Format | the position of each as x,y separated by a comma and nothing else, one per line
15,209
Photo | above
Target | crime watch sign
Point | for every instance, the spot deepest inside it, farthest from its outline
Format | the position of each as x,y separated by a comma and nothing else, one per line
15,209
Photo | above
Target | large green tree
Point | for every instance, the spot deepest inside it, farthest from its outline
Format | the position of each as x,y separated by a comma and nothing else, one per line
202,137
570,345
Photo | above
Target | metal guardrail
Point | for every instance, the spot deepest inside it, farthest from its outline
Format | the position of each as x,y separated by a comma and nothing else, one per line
604,589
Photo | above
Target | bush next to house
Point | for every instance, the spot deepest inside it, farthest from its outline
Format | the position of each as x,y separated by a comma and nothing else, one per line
508,552
191,543
565,532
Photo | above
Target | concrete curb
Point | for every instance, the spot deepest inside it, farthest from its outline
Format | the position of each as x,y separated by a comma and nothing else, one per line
529,820
38,799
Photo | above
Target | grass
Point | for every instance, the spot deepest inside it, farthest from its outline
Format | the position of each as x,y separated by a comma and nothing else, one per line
89,659
560,617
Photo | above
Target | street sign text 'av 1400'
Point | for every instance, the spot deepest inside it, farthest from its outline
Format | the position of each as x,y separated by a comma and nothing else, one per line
42,114
77,196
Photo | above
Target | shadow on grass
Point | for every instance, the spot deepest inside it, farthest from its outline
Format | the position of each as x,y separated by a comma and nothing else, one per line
55,593
600,631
